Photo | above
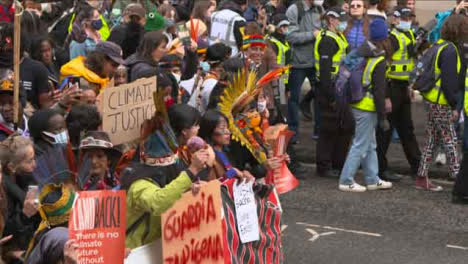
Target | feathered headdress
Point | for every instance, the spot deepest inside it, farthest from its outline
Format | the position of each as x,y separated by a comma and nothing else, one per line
239,93
158,141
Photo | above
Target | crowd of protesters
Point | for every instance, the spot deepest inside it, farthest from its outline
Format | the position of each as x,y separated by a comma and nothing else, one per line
72,50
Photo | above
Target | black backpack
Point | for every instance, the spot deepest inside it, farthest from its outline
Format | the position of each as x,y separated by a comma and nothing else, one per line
423,78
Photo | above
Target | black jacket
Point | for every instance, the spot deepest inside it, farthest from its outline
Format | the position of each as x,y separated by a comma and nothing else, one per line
16,223
449,76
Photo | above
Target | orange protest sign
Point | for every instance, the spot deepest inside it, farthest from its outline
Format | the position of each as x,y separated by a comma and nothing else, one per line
282,177
98,224
192,230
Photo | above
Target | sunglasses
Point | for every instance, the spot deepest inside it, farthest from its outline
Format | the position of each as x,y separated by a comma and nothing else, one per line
356,6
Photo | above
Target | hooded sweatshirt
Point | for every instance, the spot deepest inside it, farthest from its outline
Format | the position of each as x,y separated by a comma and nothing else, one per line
76,67
138,67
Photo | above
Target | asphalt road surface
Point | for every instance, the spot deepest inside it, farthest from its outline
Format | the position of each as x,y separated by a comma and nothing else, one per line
398,226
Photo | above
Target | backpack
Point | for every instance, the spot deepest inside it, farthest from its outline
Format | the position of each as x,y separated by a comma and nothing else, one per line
348,83
423,78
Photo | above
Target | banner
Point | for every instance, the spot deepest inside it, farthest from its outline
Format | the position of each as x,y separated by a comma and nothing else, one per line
191,229
97,223
269,248
125,107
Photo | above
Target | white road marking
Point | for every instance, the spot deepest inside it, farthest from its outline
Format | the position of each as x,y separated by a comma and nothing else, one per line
342,230
316,235
457,247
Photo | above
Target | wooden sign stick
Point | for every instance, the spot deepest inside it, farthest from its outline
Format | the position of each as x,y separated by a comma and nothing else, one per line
16,60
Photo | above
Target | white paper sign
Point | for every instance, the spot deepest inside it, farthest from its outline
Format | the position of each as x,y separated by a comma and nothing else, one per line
246,212
147,254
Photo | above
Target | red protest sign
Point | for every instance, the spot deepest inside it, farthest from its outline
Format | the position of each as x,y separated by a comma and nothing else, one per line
192,230
98,225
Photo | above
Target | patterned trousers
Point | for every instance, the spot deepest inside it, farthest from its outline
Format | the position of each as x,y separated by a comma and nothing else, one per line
440,130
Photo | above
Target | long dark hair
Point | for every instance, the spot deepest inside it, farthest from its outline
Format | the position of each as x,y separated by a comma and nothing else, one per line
182,117
208,124
386,46
151,40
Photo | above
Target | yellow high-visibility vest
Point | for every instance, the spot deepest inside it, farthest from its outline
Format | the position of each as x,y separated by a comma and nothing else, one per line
281,56
435,95
367,103
402,64
104,31
342,43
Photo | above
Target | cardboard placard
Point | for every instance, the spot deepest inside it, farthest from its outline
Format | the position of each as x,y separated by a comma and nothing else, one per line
97,223
125,107
246,212
192,230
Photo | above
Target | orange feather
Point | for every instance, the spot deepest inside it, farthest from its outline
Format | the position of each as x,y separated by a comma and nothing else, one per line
272,75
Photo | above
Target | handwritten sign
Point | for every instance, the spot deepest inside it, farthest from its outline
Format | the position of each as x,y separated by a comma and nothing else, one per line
192,230
124,108
97,224
246,212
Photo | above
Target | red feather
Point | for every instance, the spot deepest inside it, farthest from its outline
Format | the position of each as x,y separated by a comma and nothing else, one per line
193,30
272,75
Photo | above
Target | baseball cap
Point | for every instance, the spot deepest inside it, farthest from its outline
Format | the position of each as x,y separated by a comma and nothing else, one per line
338,13
134,9
280,20
112,50
403,12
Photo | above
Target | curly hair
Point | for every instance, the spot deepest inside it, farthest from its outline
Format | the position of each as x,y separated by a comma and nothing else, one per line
13,150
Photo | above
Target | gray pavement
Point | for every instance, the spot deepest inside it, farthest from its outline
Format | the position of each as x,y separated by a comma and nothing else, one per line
402,225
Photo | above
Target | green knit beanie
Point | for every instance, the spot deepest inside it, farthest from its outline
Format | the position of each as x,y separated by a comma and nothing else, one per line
154,21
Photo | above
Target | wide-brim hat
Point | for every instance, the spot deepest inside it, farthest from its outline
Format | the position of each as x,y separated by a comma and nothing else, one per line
100,140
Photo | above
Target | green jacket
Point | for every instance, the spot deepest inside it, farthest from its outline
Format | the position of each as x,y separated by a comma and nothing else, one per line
145,196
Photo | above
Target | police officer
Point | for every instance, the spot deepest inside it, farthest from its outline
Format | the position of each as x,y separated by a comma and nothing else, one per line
402,39
329,50
280,46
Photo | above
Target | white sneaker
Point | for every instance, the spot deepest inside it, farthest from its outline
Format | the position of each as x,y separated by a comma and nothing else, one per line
441,159
381,185
351,188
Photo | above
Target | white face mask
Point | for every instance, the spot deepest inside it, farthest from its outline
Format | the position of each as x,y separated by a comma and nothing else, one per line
318,2
261,106
60,138
177,77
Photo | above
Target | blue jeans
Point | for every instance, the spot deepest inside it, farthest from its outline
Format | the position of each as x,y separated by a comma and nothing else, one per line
363,150
296,79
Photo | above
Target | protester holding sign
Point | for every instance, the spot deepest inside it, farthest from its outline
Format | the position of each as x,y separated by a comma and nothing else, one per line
215,130
159,180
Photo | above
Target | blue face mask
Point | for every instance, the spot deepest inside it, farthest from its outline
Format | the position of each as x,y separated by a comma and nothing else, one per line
96,24
342,26
205,66
404,25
